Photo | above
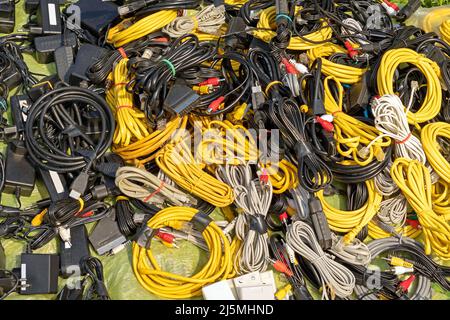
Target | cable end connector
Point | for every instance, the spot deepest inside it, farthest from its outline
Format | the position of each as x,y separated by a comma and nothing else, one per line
79,186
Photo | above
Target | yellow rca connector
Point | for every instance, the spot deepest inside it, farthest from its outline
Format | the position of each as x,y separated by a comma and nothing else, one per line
283,292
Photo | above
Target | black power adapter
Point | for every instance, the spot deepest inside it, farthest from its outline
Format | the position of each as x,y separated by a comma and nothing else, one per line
45,46
19,172
97,15
48,18
20,105
86,56
7,16
72,254
38,273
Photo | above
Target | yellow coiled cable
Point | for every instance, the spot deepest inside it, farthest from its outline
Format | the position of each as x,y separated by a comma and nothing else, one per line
440,194
385,77
267,21
131,123
174,286
351,222
413,179
223,142
178,163
128,31
444,29
282,175
435,17
344,73
144,150
355,139
375,232
429,136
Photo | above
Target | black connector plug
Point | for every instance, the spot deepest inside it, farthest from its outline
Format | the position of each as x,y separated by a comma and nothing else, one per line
408,10
320,223
7,16
180,99
79,185
106,236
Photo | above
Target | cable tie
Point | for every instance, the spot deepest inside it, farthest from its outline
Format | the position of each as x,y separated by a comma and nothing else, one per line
124,106
120,84
170,65
282,15
151,195
404,140
122,53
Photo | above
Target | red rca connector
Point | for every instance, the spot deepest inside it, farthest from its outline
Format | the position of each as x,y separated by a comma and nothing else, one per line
264,176
326,125
290,68
87,214
392,5
414,223
166,237
351,51
406,284
282,267
215,105
211,81
283,217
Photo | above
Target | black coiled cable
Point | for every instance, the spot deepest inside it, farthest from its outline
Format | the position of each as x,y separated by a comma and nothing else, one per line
71,111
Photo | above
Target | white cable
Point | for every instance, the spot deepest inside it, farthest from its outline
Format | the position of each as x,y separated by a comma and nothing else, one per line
384,183
253,198
390,119
356,252
393,210
143,185
355,28
335,278
208,20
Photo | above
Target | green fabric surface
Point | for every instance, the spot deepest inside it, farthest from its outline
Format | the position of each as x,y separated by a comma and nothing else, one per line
120,280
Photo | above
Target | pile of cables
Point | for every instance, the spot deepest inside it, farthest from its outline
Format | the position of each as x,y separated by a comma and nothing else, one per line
303,141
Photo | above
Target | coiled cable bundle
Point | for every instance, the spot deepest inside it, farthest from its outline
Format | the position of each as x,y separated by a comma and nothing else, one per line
254,198
390,61
174,286
208,20
82,124
336,279
433,137
143,185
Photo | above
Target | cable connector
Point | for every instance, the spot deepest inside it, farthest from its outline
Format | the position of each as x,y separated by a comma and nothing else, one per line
399,262
215,105
203,89
79,186
391,8
64,234
301,68
401,270
281,267
327,126
263,177
414,223
258,98
406,284
351,51
290,69
211,81
132,7
283,292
